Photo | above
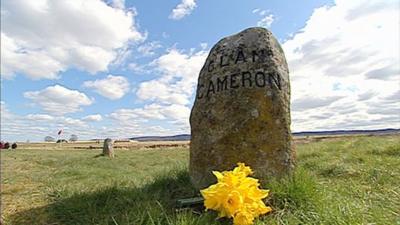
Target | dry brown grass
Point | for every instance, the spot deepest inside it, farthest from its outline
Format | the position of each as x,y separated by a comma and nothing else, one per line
88,145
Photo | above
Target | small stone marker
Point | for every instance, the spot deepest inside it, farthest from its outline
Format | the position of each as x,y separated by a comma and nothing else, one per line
108,149
242,109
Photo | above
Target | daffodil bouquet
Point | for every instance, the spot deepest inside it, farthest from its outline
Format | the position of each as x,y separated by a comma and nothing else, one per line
236,196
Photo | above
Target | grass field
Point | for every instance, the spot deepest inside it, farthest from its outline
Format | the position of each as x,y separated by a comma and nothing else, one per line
354,180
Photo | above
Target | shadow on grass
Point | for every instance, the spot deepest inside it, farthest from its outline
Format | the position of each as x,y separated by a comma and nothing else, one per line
294,201
154,203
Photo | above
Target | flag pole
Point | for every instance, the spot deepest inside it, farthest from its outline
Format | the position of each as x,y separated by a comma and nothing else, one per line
59,137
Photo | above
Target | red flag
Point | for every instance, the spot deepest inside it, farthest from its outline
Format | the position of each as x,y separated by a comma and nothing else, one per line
59,132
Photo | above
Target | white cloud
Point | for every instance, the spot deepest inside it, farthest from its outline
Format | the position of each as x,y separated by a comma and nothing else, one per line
310,102
58,100
165,35
162,91
120,4
344,66
93,118
266,21
147,49
183,9
35,127
139,68
203,45
263,12
40,117
40,39
111,87
170,94
122,123
5,113
174,113
179,113
179,76
141,121
152,111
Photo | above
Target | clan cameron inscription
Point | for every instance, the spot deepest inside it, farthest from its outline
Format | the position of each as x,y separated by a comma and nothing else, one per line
242,79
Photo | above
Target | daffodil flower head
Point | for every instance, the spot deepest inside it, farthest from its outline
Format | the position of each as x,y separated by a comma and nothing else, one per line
236,195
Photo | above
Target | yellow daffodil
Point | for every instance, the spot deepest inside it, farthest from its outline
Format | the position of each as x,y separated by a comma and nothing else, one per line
236,195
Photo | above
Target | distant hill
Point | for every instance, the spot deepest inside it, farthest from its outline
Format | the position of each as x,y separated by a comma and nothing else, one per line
180,137
186,137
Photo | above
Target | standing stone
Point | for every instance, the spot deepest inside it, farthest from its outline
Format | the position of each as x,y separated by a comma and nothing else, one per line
108,149
242,109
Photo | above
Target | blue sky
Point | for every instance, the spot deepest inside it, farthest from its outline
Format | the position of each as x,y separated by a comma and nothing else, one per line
129,68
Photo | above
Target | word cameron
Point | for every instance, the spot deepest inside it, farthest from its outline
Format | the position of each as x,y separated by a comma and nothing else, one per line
235,80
